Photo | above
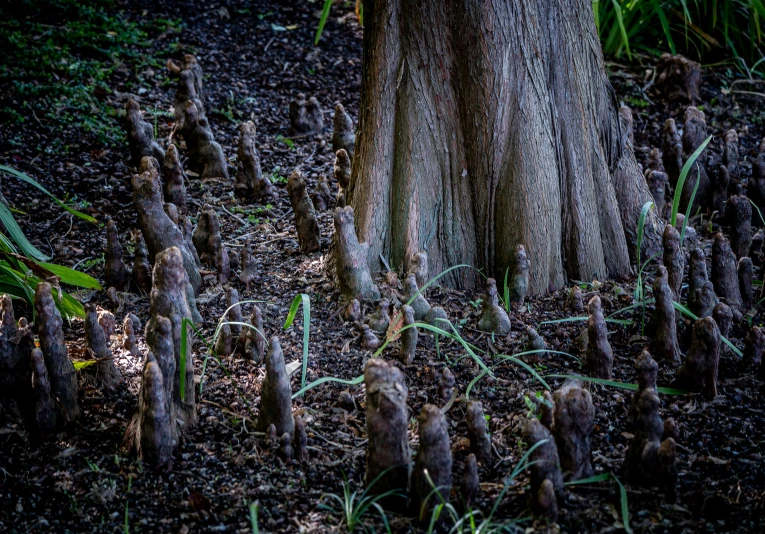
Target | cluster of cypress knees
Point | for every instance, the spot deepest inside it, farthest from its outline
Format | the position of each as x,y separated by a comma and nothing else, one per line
43,382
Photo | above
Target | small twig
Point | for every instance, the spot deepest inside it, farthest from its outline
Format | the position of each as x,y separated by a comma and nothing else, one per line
234,216
268,44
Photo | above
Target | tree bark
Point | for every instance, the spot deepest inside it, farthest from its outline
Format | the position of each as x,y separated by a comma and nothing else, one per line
484,125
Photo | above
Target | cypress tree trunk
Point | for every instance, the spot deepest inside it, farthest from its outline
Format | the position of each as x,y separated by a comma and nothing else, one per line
489,123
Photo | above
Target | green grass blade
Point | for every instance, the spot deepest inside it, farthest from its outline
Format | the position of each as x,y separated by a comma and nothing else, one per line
641,227
625,507
323,20
688,313
690,206
72,277
683,176
254,517
24,178
305,300
323,380
625,40
18,237
617,384
589,480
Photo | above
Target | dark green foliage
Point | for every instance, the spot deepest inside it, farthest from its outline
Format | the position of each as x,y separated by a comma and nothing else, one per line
58,57
694,28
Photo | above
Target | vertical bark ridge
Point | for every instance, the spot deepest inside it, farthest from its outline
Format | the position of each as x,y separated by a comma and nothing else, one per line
499,127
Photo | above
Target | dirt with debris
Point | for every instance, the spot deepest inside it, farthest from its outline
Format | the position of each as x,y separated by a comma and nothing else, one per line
256,57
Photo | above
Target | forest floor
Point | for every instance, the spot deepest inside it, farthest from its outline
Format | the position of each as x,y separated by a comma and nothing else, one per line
257,56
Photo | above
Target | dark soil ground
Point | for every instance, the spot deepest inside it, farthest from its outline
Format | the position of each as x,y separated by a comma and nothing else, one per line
257,56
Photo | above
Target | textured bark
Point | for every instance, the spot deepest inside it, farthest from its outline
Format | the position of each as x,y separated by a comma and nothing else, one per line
746,282
720,192
141,274
519,283
224,344
625,114
678,78
573,421
756,184
647,373
149,434
108,323
704,301
408,337
276,393
446,384
250,182
306,118
352,312
191,79
697,274
380,320
436,317
599,358
140,135
674,260
115,273
174,179
129,341
699,371
672,151
388,455
342,169
306,225
724,273
109,376
738,211
419,304
207,239
470,483
533,340
694,133
351,267
723,316
493,317
249,269
168,299
285,451
730,154
369,341
648,460
664,341
343,135
545,468
46,412
754,347
252,342
234,314
657,184
159,339
300,440
205,154
418,266
321,197
434,457
480,442
157,228
15,347
61,373
755,249
575,299
467,142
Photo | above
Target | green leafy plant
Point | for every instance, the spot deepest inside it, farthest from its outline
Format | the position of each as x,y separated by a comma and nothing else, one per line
679,26
352,506
305,301
23,266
